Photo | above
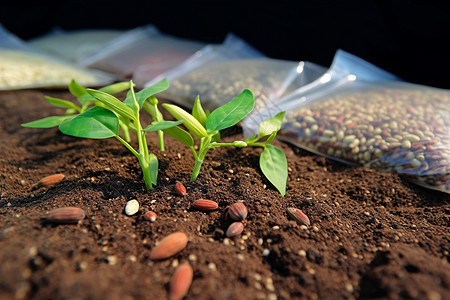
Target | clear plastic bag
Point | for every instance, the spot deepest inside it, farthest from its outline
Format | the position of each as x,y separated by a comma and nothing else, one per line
22,67
74,45
345,67
390,126
373,119
219,73
144,50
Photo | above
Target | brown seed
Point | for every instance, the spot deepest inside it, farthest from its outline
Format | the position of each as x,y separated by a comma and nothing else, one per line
64,215
203,204
181,282
150,216
235,229
169,246
49,180
298,215
237,211
180,189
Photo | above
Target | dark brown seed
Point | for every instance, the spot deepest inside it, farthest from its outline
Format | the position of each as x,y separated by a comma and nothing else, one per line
203,204
237,211
150,216
181,282
180,189
235,229
64,215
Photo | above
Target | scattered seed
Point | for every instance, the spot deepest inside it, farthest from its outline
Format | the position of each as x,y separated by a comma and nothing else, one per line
131,207
181,282
150,216
180,189
266,252
64,215
50,180
234,229
212,266
192,257
298,215
169,246
237,211
111,259
203,204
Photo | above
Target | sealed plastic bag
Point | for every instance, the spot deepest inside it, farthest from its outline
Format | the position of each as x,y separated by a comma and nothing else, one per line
74,45
219,73
145,48
372,119
21,67
389,126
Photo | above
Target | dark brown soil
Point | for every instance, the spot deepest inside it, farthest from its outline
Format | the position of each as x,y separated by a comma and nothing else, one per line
372,235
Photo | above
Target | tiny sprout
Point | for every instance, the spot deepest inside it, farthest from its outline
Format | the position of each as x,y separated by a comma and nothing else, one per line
272,161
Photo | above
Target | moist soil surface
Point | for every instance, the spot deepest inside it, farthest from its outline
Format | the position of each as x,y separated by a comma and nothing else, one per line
373,235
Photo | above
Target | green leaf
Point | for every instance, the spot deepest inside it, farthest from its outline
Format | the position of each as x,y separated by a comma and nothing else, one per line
191,123
48,122
162,125
271,137
146,93
274,166
232,112
180,135
115,88
252,139
268,126
61,103
71,111
198,112
86,99
76,89
153,168
95,123
113,104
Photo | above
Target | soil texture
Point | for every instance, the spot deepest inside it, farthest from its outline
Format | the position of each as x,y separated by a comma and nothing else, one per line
372,235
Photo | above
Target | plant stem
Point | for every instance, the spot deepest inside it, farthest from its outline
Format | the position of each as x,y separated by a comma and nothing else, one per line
161,140
143,156
196,169
145,171
125,131
199,161
128,146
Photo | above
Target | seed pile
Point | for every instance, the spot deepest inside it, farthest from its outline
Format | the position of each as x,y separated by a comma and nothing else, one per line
218,83
392,130
24,70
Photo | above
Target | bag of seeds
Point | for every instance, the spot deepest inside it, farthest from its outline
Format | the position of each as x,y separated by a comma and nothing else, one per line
344,68
219,73
361,115
74,45
21,68
390,126
145,48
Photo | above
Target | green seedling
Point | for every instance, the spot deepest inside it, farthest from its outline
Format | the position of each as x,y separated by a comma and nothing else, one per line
103,121
206,128
85,101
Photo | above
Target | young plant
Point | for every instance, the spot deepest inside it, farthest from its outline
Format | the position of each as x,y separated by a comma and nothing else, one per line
103,121
72,110
206,127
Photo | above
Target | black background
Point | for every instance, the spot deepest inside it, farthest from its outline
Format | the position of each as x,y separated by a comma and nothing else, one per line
407,38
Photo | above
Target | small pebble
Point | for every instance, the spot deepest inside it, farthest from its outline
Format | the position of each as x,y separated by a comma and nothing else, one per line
132,207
